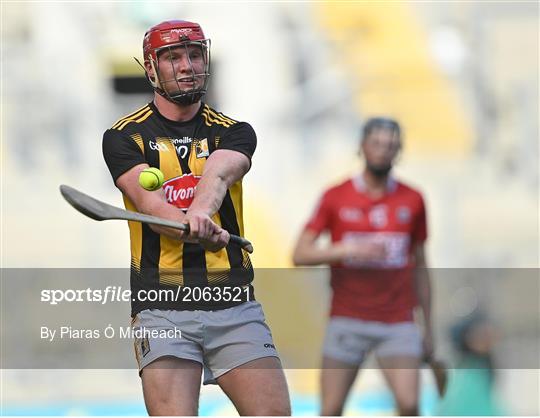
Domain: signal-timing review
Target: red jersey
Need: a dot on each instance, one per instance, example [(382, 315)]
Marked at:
[(381, 290)]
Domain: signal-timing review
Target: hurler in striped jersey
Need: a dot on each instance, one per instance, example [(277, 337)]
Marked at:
[(203, 155)]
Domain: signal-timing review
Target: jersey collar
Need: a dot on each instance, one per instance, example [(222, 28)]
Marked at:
[(360, 185), (172, 122)]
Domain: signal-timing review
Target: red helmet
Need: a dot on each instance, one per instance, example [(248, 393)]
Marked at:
[(169, 33), (174, 33)]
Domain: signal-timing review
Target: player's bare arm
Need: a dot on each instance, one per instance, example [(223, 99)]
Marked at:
[(222, 169), (308, 253), (423, 289), (151, 203)]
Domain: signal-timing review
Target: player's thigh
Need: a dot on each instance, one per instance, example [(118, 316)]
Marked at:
[(403, 377), (234, 337), (257, 388), (346, 344), (399, 355), (337, 378), (171, 386)]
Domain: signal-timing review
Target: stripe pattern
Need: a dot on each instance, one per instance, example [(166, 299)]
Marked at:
[(158, 260), (138, 116), (212, 117), (138, 140)]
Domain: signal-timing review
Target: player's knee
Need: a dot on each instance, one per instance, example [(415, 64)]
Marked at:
[(279, 409), (331, 412), (279, 405), (162, 408), (167, 405), (408, 408), (332, 408)]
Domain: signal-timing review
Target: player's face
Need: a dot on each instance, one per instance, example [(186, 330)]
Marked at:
[(380, 148), (181, 68)]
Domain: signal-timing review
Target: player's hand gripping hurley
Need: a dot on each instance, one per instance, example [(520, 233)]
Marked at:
[(101, 211)]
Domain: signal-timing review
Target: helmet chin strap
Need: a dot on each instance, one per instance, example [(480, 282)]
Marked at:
[(186, 98)]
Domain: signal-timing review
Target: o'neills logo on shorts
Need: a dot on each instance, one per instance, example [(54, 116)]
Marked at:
[(179, 191)]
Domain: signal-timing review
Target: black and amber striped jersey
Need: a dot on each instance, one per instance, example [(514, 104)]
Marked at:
[(180, 150)]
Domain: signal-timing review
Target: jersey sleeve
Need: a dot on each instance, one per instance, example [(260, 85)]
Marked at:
[(321, 216), (121, 153), (240, 137), (419, 234)]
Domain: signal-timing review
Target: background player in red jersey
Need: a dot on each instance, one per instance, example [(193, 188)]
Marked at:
[(378, 229), (192, 144)]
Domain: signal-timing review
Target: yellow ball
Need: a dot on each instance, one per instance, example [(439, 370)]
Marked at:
[(151, 179)]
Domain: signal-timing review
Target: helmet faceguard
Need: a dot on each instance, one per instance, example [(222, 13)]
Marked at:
[(177, 37)]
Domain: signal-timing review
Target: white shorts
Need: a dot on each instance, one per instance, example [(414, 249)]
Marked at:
[(219, 340), (350, 339)]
